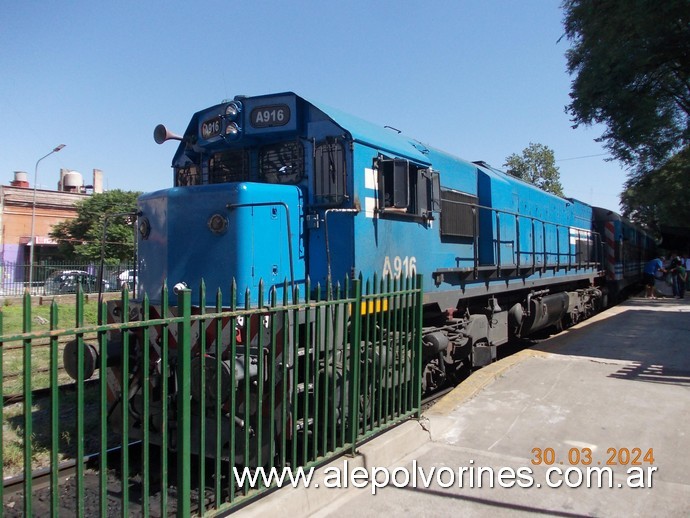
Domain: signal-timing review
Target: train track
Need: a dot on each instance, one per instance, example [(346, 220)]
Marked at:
[(41, 481), (11, 399), (68, 505), (41, 478)]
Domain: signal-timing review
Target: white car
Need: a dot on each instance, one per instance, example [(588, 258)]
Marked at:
[(126, 278)]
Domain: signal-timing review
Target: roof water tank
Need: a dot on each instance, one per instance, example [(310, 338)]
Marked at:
[(72, 182), (21, 179)]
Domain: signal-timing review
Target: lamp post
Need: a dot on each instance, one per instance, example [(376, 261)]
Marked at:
[(33, 216)]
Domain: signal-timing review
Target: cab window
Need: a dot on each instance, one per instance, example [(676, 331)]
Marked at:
[(406, 189), (329, 173)]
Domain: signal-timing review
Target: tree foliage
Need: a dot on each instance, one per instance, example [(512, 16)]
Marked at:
[(80, 238), (631, 62), (537, 166), (660, 197)]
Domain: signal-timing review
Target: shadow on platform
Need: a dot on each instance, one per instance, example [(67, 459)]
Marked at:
[(642, 333)]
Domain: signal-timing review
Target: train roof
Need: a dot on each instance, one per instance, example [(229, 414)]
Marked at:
[(367, 132), (404, 146), (398, 143), (384, 138), (387, 140)]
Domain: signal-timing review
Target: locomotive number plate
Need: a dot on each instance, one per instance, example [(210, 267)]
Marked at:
[(270, 116), (210, 128)]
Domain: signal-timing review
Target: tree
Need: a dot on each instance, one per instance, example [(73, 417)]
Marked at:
[(660, 197), (80, 238), (631, 61), (537, 166)]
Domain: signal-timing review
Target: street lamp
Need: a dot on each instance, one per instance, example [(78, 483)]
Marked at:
[(33, 216)]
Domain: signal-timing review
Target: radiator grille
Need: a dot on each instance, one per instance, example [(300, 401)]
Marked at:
[(457, 219)]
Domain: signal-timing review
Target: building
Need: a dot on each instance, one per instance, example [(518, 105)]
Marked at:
[(16, 206)]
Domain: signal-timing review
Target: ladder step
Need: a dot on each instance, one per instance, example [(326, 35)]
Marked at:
[(302, 387), (300, 423)]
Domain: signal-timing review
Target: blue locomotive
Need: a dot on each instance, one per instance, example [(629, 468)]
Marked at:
[(275, 187)]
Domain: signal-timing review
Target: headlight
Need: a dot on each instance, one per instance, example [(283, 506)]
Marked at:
[(218, 224), (144, 228), (232, 130), (233, 109)]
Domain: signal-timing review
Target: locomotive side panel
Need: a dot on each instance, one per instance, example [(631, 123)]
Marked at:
[(508, 229)]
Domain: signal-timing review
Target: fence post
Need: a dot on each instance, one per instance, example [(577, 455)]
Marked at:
[(417, 344), (28, 431), (184, 361), (2, 411), (355, 345)]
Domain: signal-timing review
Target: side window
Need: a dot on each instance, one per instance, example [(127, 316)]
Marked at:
[(187, 175), (407, 189), (282, 162), (329, 174)]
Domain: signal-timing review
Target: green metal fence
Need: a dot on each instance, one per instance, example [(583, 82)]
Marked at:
[(170, 401), (57, 278)]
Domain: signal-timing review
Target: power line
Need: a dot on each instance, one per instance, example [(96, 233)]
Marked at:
[(579, 157)]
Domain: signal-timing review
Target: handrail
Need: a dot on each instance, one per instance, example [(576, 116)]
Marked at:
[(590, 234)]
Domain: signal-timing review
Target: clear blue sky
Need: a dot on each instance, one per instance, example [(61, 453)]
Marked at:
[(480, 80)]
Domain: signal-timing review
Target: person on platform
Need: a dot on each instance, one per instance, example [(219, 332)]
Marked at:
[(650, 272), (672, 268), (680, 275)]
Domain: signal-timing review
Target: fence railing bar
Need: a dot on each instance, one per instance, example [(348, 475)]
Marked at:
[(103, 409), (79, 317), (54, 414), (165, 375), (124, 412), (184, 350), (28, 431)]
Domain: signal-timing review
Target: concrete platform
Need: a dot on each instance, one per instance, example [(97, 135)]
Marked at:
[(615, 388)]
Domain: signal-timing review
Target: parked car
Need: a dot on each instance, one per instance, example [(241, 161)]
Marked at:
[(67, 281), (127, 278)]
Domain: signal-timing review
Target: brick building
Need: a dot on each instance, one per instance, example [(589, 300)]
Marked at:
[(16, 203)]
